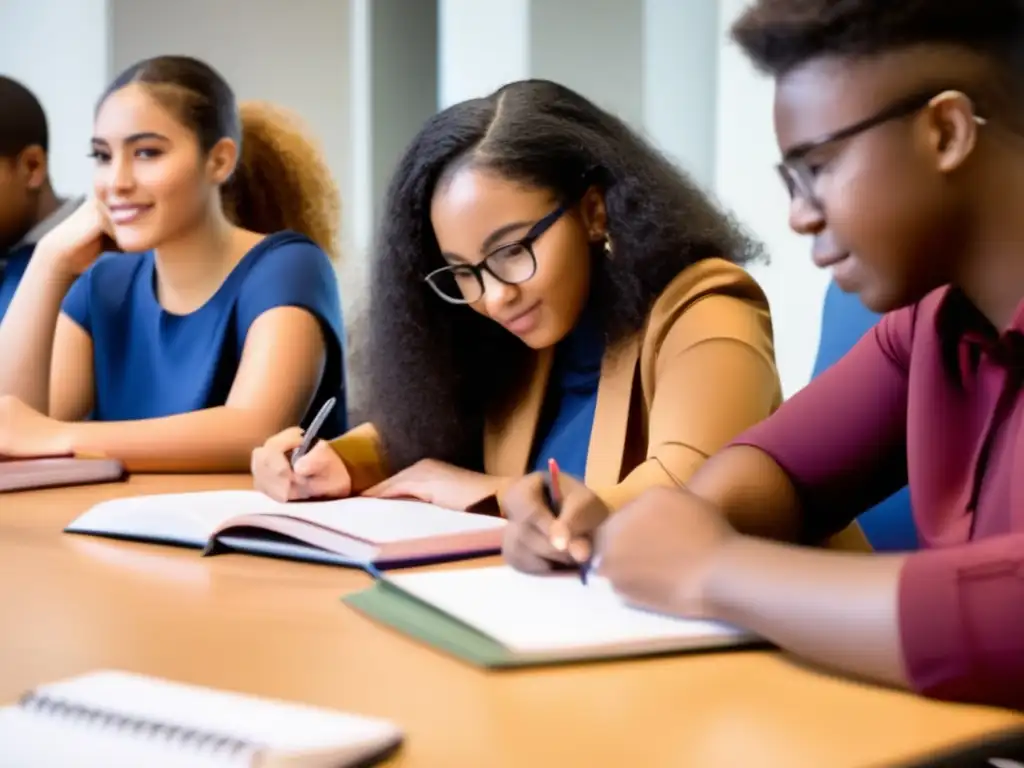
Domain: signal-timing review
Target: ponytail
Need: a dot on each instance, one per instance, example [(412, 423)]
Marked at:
[(282, 181)]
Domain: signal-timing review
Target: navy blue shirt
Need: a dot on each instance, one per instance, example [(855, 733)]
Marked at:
[(571, 401), (12, 268), (150, 363), (14, 263)]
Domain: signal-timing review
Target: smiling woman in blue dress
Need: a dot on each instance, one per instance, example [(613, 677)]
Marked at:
[(220, 322)]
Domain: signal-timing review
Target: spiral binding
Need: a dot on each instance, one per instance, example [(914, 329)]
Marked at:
[(197, 741)]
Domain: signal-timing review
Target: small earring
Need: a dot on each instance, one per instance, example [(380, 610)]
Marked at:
[(609, 251)]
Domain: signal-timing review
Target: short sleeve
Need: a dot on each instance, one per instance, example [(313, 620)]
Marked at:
[(77, 303), (294, 272), (842, 439)]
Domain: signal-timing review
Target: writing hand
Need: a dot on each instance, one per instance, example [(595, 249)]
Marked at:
[(535, 540), (319, 474)]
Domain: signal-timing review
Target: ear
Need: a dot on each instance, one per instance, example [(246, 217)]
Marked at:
[(594, 213), (952, 130), (32, 167), (221, 161)]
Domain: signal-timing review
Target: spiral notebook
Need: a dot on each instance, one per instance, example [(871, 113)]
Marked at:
[(117, 719)]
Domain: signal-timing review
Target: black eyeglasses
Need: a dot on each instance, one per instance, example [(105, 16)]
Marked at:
[(799, 176), (510, 264)]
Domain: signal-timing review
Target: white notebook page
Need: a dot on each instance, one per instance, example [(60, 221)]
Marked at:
[(387, 520), (190, 518), (543, 614)]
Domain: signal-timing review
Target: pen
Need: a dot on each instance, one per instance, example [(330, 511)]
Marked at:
[(553, 492), (553, 489), (314, 428)]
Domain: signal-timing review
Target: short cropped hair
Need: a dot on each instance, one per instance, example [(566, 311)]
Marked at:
[(780, 35), (22, 120)]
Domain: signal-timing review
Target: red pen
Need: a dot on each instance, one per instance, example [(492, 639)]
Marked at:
[(553, 492), (553, 488)]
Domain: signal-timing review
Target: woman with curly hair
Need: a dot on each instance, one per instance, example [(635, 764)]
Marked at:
[(219, 323), (546, 286)]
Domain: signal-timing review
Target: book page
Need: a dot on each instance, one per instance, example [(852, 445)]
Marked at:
[(387, 520), (551, 614), (282, 727), (183, 518)]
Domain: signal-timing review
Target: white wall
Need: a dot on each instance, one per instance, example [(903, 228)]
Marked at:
[(59, 50), (482, 44), (594, 47), (651, 62), (746, 181), (255, 46), (680, 82)]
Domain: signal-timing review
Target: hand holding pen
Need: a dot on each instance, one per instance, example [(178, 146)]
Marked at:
[(552, 519), (563, 540)]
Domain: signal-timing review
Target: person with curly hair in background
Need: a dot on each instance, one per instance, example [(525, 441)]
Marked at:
[(900, 128), (219, 323), (546, 285)]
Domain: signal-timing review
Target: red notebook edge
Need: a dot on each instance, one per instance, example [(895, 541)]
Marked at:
[(58, 472)]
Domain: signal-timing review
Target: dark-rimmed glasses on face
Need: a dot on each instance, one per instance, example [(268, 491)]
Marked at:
[(510, 264), (800, 176)]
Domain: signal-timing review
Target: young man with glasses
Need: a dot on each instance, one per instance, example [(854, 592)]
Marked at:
[(899, 125)]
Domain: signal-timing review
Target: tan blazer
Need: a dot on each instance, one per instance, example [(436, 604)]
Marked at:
[(700, 372)]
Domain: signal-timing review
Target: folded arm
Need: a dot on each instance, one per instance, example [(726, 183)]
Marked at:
[(27, 331), (281, 367)]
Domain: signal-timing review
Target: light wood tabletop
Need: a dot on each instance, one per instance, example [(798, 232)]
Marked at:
[(69, 604)]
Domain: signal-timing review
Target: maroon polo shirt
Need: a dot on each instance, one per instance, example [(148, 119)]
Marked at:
[(931, 396)]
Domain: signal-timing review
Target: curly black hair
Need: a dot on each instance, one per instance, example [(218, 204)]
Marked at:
[(780, 35), (434, 370)]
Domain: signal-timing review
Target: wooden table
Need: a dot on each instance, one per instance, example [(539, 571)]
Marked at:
[(69, 604)]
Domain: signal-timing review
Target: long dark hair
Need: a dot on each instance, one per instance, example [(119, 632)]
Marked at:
[(281, 180), (435, 370)]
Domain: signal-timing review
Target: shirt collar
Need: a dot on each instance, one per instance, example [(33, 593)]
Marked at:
[(64, 210), (967, 335)]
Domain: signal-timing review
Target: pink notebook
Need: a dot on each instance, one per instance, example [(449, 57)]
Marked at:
[(28, 474), (382, 533)]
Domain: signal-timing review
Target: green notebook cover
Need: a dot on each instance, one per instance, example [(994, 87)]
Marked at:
[(400, 610), (393, 607)]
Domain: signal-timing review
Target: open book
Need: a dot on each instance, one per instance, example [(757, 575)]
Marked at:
[(499, 617), (54, 471), (358, 531), (121, 720)]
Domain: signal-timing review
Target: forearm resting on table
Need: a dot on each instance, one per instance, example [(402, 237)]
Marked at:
[(836, 609), (211, 440), (27, 331)]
